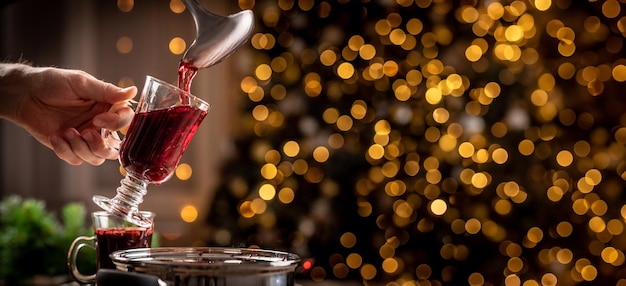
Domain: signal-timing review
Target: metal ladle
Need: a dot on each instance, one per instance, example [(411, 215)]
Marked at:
[(217, 37)]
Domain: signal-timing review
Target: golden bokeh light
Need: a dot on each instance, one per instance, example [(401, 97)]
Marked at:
[(177, 6), (183, 171), (177, 45), (286, 195), (124, 45), (267, 192), (125, 5), (291, 148), (189, 213)]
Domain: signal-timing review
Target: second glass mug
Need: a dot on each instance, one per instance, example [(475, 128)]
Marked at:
[(165, 121), (111, 233)]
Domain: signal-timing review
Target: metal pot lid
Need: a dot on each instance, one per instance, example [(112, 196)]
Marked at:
[(219, 261)]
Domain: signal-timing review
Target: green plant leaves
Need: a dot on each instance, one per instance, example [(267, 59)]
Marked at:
[(34, 242)]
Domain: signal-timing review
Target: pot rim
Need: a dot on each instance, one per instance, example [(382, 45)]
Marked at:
[(216, 260)]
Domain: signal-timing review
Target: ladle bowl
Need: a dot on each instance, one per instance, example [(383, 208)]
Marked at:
[(217, 37)]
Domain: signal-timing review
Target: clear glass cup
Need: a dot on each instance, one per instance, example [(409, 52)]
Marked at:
[(165, 121), (112, 234)]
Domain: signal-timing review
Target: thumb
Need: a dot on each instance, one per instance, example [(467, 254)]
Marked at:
[(102, 91), (114, 94)]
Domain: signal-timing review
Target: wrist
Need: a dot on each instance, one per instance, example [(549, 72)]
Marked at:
[(14, 87)]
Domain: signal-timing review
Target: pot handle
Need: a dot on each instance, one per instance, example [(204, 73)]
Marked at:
[(108, 277)]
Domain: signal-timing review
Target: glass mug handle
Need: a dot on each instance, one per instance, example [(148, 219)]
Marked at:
[(111, 139), (77, 244)]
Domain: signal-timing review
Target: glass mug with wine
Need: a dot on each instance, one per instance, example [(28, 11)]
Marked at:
[(111, 233), (166, 119)]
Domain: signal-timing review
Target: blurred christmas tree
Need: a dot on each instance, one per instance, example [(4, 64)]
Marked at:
[(434, 141)]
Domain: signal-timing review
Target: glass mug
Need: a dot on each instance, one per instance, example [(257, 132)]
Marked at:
[(112, 233), (165, 121)]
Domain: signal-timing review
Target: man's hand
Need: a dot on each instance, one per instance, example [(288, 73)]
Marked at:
[(65, 110)]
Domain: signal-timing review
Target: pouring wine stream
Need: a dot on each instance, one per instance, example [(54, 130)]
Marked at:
[(217, 37)]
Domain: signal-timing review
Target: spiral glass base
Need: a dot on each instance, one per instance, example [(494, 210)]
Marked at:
[(125, 203)]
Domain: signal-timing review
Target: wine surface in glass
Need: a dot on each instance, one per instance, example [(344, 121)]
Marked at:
[(109, 240), (156, 140)]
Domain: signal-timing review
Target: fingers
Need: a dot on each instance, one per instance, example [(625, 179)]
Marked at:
[(98, 150), (116, 120), (119, 114), (75, 148), (63, 150), (124, 94), (88, 146), (114, 94), (88, 87)]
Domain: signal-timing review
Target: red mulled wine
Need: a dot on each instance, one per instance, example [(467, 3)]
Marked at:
[(186, 72), (109, 240), (156, 140)]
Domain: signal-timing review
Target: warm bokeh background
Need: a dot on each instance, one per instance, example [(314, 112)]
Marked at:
[(425, 142), (478, 142)]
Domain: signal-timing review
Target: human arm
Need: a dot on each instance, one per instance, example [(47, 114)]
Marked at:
[(64, 109)]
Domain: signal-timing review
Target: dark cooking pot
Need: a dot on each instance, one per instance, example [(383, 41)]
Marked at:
[(195, 266)]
